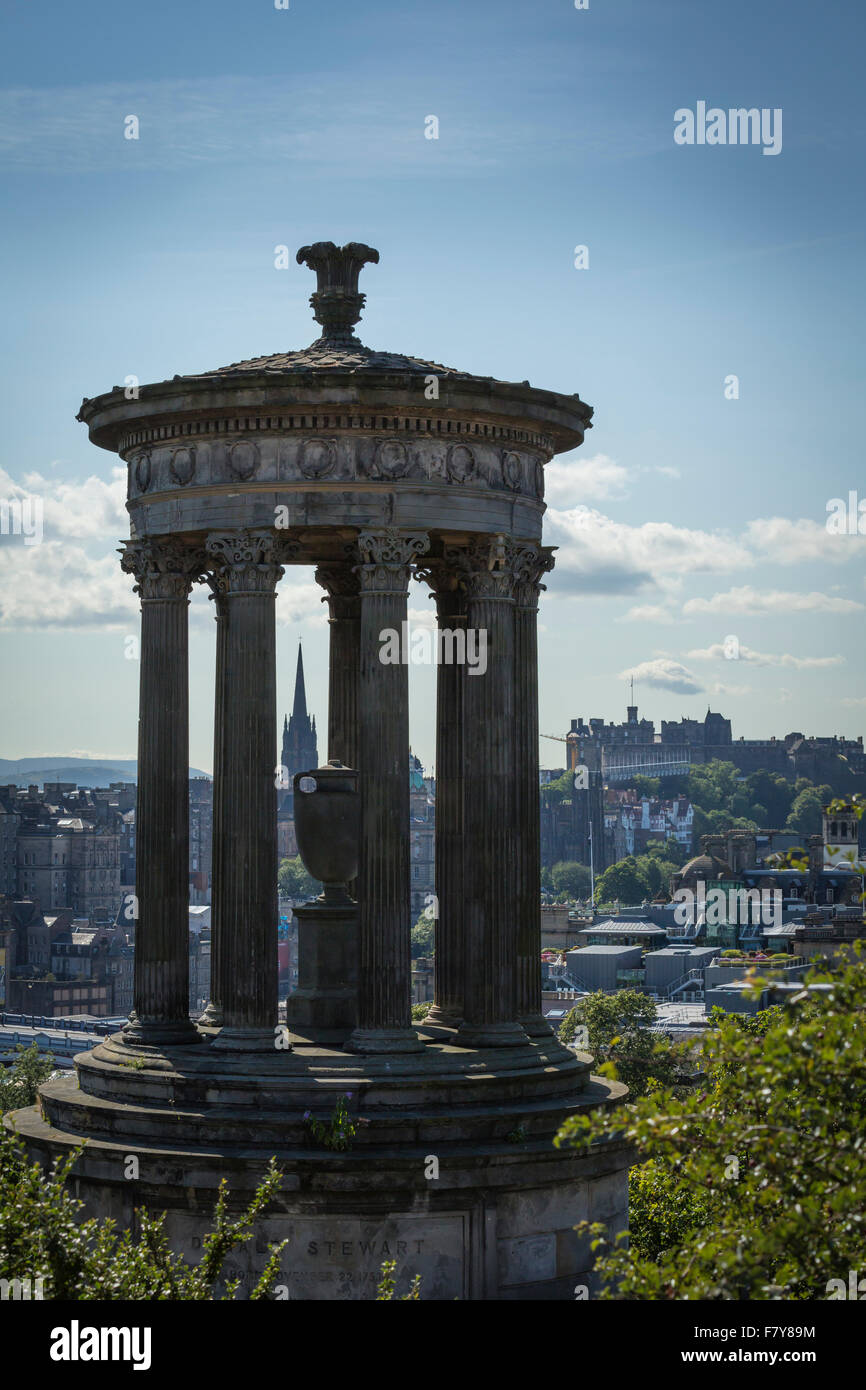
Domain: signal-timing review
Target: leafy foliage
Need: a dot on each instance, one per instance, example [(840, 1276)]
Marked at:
[(387, 1285), (423, 935), (753, 1186), (19, 1084), (570, 879), (619, 1038), (42, 1236), (294, 881)]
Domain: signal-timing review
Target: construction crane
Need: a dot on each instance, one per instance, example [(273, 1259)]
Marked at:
[(571, 740)]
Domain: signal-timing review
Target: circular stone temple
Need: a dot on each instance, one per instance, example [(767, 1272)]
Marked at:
[(374, 468)]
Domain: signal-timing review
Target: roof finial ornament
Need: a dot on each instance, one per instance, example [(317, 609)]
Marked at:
[(337, 303)]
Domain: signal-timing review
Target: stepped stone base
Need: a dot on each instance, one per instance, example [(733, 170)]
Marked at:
[(452, 1171)]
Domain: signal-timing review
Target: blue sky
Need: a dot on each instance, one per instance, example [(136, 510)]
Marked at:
[(685, 519)]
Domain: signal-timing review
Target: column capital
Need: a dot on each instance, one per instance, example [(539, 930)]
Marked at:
[(530, 563), (342, 588), (247, 562), (387, 557), (487, 567), (442, 576), (164, 568)]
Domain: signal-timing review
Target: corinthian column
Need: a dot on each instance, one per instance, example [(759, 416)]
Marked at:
[(531, 562), (490, 946), (164, 570), (384, 1013), (247, 570), (448, 961)]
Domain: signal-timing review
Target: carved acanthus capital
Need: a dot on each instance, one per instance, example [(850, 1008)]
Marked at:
[(245, 561), (342, 588), (164, 568), (486, 568), (387, 557), (530, 563), (443, 578)]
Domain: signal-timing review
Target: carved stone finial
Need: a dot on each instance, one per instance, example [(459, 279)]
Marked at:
[(337, 303)]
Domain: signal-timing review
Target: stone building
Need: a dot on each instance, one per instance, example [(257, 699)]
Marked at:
[(422, 839), (9, 823)]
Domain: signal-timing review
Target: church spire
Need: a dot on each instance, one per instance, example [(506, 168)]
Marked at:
[(299, 708)]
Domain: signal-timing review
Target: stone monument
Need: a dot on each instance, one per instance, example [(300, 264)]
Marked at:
[(374, 468)]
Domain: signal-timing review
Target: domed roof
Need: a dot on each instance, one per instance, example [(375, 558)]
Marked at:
[(326, 355), (705, 867)]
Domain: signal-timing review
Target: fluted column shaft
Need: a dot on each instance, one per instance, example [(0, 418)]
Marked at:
[(448, 959), (344, 623), (164, 571), (384, 1013), (213, 1014), (531, 562), (490, 942), (245, 886)]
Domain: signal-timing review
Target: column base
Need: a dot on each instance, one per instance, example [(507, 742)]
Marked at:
[(212, 1016), (376, 1040), (442, 1017), (536, 1026), (491, 1035), (146, 1033), (249, 1040)]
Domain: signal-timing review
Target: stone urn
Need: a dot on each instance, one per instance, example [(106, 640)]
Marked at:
[(327, 826)]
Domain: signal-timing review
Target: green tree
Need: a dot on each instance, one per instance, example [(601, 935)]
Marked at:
[(622, 881), (647, 787), (752, 1186), (805, 815), (295, 882), (571, 879), (619, 1038), (42, 1236), (20, 1082), (423, 935)]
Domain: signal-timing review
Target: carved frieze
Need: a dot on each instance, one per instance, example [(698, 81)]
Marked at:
[(390, 458)]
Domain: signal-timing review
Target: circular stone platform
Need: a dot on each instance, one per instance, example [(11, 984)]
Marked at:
[(496, 1223)]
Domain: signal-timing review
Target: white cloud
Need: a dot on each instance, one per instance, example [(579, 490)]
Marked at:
[(720, 688), (602, 556), (648, 613), (664, 674), (719, 652), (795, 542), (572, 480), (58, 585), (82, 510), (747, 600)]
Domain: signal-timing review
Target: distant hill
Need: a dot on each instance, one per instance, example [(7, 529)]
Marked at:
[(84, 772)]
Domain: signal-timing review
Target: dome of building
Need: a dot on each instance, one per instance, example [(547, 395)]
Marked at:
[(703, 868)]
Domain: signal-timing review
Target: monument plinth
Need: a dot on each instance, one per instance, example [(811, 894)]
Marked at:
[(374, 468)]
